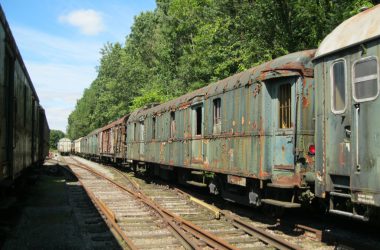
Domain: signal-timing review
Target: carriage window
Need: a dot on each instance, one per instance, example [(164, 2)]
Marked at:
[(154, 128), (366, 86), (135, 132), (338, 81), (217, 115), (172, 124), (198, 117), (284, 98)]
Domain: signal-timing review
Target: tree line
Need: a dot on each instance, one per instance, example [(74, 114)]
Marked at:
[(186, 44)]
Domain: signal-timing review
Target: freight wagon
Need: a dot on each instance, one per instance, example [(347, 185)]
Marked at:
[(24, 132), (64, 146)]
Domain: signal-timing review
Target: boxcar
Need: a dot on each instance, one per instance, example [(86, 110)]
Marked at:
[(347, 131), (250, 136), (89, 145), (64, 146), (112, 139), (77, 150), (24, 132)]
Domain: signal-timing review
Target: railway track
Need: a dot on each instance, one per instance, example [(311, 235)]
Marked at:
[(193, 225)]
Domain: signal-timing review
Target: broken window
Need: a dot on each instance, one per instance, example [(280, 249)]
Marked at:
[(154, 128), (217, 115), (198, 117), (172, 124), (284, 98)]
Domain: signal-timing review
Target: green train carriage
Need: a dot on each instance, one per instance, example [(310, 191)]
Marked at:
[(247, 136)]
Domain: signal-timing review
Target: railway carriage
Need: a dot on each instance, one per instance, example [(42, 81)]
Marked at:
[(64, 146), (246, 137), (24, 132), (347, 104), (112, 138)]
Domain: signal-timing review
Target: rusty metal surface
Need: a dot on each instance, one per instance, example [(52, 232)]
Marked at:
[(357, 29), (112, 139)]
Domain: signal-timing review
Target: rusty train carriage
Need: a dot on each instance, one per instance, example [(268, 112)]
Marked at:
[(253, 129), (347, 132), (111, 141)]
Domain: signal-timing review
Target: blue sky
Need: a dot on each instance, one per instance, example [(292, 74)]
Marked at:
[(60, 41)]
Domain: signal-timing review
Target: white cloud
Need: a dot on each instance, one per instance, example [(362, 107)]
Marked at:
[(45, 47), (90, 22), (59, 68)]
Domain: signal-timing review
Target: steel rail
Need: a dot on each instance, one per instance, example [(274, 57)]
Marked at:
[(110, 217), (176, 222), (264, 236)]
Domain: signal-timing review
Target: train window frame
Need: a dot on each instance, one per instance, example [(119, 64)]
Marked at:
[(197, 126), (332, 84), (368, 58), (279, 106), (154, 121), (217, 115), (172, 125), (135, 131)]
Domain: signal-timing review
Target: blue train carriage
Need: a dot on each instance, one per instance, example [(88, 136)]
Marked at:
[(347, 127), (248, 137)]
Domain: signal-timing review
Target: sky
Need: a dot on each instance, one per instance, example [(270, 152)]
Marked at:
[(60, 43)]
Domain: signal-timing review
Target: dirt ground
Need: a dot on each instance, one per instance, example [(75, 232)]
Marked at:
[(45, 216)]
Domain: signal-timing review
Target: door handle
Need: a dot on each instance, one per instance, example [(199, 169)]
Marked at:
[(347, 129)]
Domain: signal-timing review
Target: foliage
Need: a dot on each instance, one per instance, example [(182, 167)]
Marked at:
[(185, 44), (55, 136)]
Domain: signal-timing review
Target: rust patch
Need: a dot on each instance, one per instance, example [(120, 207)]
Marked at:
[(257, 89), (305, 102), (293, 180)]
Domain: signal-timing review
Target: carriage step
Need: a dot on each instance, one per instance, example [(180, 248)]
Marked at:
[(273, 185), (344, 195), (349, 214), (278, 203), (195, 183)]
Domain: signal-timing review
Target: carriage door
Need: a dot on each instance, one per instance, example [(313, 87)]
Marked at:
[(197, 133), (338, 124), (142, 142), (284, 112), (365, 90)]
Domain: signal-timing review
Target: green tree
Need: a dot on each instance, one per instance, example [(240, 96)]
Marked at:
[(186, 44), (55, 136)]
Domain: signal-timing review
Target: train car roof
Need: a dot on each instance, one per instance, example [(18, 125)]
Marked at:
[(64, 140), (360, 28), (298, 63), (114, 123)]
